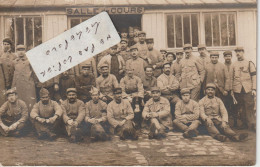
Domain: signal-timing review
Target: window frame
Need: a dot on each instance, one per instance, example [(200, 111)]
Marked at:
[(69, 18)]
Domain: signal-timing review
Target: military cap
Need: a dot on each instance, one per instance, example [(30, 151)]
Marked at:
[(155, 88), (124, 39), (124, 30), (71, 90), (240, 48), (94, 91), (105, 64), (214, 53), (165, 63), (130, 28), (133, 47), (44, 92), (170, 53), (149, 40), (187, 46), (138, 28), (211, 85), (141, 32), (10, 91), (179, 51), (114, 47), (200, 46), (163, 50), (8, 40), (86, 65), (20, 47), (117, 90), (185, 90), (227, 53)]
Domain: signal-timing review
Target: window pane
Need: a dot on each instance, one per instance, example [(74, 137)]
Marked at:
[(178, 29), (232, 30), (216, 35), (186, 28), (170, 31), (224, 35), (9, 29), (29, 33), (208, 35), (19, 31), (37, 31), (74, 22), (194, 28)]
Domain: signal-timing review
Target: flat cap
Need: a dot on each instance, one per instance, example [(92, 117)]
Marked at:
[(187, 46), (141, 32), (94, 91), (44, 92), (179, 51), (228, 52), (71, 90), (170, 53), (20, 47), (86, 65), (214, 53), (149, 40), (155, 88), (124, 39), (105, 64), (117, 90), (8, 40), (124, 30), (11, 91), (185, 90), (133, 47), (200, 46), (163, 50), (211, 85), (240, 48), (114, 47)]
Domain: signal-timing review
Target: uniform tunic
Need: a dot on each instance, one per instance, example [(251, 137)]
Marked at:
[(176, 69), (142, 50), (187, 112), (138, 66), (66, 82), (149, 82), (96, 110), (164, 81), (157, 60), (8, 67), (106, 85), (132, 86)]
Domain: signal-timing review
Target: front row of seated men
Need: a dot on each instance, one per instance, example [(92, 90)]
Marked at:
[(49, 118)]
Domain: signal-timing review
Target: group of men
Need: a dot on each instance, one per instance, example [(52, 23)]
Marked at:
[(129, 88)]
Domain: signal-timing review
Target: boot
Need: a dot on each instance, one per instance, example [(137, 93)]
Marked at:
[(220, 137), (151, 134)]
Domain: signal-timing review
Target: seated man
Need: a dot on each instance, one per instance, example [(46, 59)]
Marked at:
[(73, 115), (187, 114), (96, 115), (157, 114), (120, 115), (133, 90), (214, 115), (46, 116), (13, 115)]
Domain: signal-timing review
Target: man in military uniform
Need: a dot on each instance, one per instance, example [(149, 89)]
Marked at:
[(187, 115), (192, 73), (215, 72), (93, 67), (73, 114), (142, 47), (157, 114), (123, 33), (215, 117), (133, 90), (149, 81), (124, 50), (65, 81), (136, 63), (176, 67), (244, 88), (115, 62), (131, 41), (120, 115), (96, 116), (136, 34), (46, 116), (106, 83), (163, 53), (169, 86), (170, 57), (13, 115), (84, 82)]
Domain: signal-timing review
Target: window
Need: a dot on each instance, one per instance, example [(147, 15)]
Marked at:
[(182, 29), (73, 21), (220, 29), (24, 30)]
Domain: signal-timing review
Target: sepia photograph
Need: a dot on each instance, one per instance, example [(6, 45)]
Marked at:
[(128, 82)]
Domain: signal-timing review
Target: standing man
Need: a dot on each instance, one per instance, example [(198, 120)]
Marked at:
[(93, 67), (155, 56), (176, 65), (46, 116), (244, 88), (24, 78), (65, 81), (106, 83), (215, 72), (187, 114), (120, 115), (157, 114), (13, 115), (136, 63), (192, 73), (170, 57), (142, 47), (73, 114), (52, 85), (149, 81), (215, 117), (131, 41), (163, 53), (124, 49), (96, 116), (115, 62), (84, 82)]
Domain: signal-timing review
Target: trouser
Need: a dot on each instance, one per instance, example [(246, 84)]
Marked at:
[(195, 93), (186, 126), (138, 115), (20, 129), (155, 122), (245, 101), (72, 130), (217, 129), (173, 99), (229, 104), (127, 130), (50, 129)]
